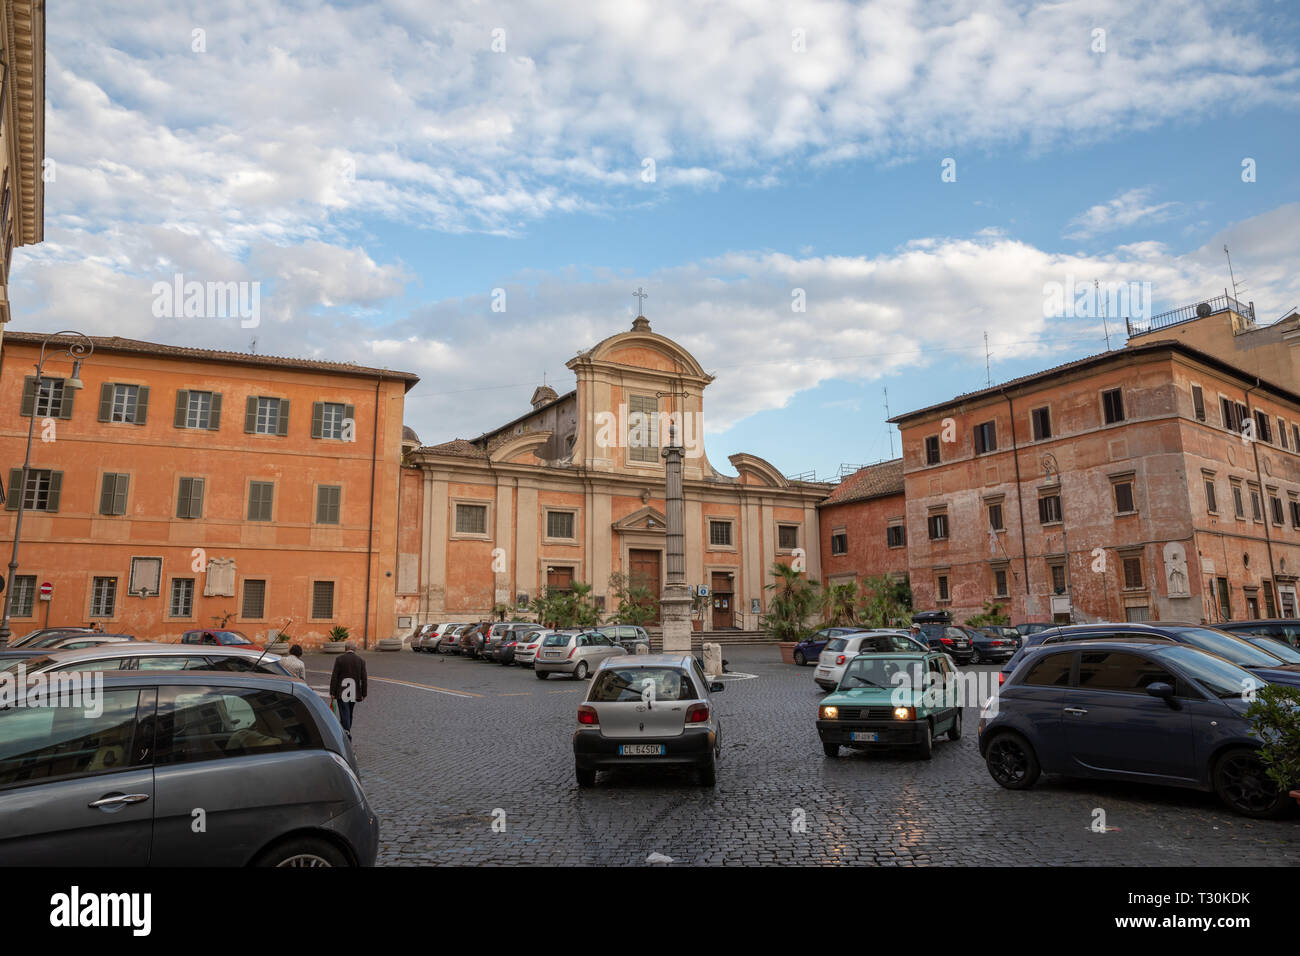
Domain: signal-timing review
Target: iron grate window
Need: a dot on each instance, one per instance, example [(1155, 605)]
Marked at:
[(322, 600), (720, 533), (471, 519), (1132, 573), (787, 537), (254, 599), (23, 601), (559, 524)]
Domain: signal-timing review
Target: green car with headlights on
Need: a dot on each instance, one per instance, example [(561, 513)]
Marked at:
[(895, 699)]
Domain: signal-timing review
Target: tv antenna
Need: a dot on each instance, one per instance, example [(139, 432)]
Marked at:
[(1236, 290), (888, 427), (988, 374), (1096, 291)]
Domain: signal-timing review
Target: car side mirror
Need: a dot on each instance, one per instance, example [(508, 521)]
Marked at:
[(717, 687), (1163, 691)]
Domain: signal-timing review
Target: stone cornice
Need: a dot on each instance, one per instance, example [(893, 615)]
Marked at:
[(25, 114)]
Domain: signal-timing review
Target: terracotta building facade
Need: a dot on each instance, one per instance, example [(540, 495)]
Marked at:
[(1155, 482), (179, 488), (573, 491), (864, 525)]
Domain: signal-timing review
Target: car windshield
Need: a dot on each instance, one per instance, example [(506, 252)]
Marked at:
[(631, 684), (1275, 647), (1219, 677), (837, 645), (232, 637), (875, 671), (31, 663), (1235, 649), (557, 640)]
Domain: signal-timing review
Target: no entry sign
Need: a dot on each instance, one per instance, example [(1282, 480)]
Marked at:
[(47, 589)]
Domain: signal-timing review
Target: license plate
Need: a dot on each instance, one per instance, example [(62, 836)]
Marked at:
[(552, 653), (641, 750), (862, 737)]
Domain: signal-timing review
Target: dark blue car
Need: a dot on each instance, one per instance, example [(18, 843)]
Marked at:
[(810, 648), (1141, 711), (1265, 664)]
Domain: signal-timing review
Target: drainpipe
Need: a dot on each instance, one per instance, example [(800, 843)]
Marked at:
[(1263, 504), (370, 531), (1020, 505)]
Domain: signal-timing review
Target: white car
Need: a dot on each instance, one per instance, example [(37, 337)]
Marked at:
[(841, 650)]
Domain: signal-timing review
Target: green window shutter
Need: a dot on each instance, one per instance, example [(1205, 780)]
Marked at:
[(250, 414), (142, 406), (119, 494), (183, 499), (65, 407), (106, 402), (196, 498), (320, 505), (182, 408), (15, 489), (284, 418), (317, 419), (106, 492), (56, 486), (29, 396), (214, 417)]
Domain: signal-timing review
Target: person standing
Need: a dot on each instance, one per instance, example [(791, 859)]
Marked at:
[(348, 684), (293, 663)]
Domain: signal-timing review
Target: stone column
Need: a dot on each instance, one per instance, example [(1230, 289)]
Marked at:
[(675, 605)]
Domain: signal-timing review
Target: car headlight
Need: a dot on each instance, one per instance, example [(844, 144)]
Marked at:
[(905, 713), (830, 713)]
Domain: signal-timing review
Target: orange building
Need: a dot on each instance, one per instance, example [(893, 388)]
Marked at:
[(180, 487), (864, 525)]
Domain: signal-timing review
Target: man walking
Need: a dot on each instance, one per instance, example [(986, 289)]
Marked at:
[(348, 684)]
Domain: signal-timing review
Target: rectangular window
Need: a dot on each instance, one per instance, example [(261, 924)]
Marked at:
[(1112, 404), (1238, 505), (471, 519), (49, 400), (254, 598), (895, 536), (787, 537), (1256, 504), (941, 585), (720, 534), (23, 601), (840, 543), (1295, 436), (986, 438), (1282, 436), (559, 524), (1270, 600), (189, 498), (1198, 403), (1124, 503), (195, 409), (119, 403), (1228, 414), (1049, 509), (1225, 601), (261, 496), (932, 450), (1000, 582), (182, 600), (938, 526), (42, 492), (112, 493), (643, 428), (995, 517), (322, 600), (103, 597), (266, 416), (1295, 514), (1211, 500), (1275, 505), (330, 420), (1042, 422), (1263, 427), (328, 498), (1057, 573), (1132, 573)]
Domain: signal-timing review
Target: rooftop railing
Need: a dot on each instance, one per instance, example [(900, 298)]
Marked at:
[(1220, 303)]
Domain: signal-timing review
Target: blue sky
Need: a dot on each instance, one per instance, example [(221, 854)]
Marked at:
[(381, 169)]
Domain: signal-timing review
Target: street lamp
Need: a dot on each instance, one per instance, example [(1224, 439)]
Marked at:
[(78, 350), (1052, 471)]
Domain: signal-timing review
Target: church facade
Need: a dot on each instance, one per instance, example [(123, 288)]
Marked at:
[(573, 491)]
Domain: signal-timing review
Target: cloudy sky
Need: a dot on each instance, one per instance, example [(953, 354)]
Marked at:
[(916, 174)]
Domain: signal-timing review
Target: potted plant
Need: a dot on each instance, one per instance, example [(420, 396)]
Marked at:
[(282, 640), (1276, 713), (794, 599), (336, 640)]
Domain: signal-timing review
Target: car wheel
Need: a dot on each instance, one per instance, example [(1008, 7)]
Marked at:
[(1242, 784), (925, 749), (586, 778), (1012, 762), (542, 675), (831, 750), (799, 659), (709, 772), (580, 672), (975, 657), (303, 851), (954, 732)]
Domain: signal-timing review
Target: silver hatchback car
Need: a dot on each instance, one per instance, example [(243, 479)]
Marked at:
[(648, 710), (142, 655), (577, 654)]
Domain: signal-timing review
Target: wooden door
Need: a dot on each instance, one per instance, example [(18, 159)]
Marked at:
[(643, 572), (724, 602)]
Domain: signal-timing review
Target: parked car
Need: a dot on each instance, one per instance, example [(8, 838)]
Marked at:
[(1004, 632), (222, 636), (835, 658), (449, 643), (471, 642), (422, 633), (1033, 627), (63, 640), (627, 636), (142, 655), (648, 710), (518, 633), (117, 785), (864, 711), (948, 639), (495, 637), (526, 649), (1144, 711), (811, 647), (432, 642), (577, 654), (1264, 664), (990, 648), (1284, 629), (31, 637)]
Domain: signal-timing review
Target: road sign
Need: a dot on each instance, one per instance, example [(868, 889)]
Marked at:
[(47, 590)]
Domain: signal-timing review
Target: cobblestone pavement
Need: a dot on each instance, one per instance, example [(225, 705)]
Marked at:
[(447, 745)]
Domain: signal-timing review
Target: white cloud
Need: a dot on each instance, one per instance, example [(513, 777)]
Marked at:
[(1128, 209)]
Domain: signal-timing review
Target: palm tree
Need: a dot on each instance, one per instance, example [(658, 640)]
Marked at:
[(842, 604), (794, 599)]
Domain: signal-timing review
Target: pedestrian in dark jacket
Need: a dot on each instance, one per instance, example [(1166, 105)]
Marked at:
[(348, 684)]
